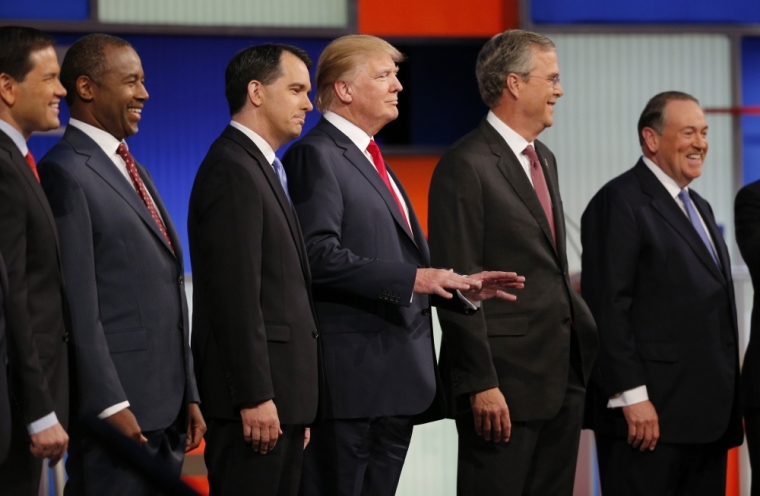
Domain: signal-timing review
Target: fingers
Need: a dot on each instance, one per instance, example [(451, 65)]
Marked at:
[(306, 437), (655, 436), (503, 295), (274, 433), (631, 433), (440, 291), (478, 423), (506, 427), (194, 436), (495, 427), (486, 426), (142, 439), (247, 433), (260, 439)]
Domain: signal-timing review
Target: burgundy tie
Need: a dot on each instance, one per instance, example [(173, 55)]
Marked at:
[(140, 187), (32, 164), (377, 158), (542, 191)]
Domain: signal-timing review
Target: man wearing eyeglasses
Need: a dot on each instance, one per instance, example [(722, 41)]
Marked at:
[(516, 372)]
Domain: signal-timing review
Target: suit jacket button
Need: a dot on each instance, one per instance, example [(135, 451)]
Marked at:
[(181, 325), (315, 334), (181, 280), (426, 311)]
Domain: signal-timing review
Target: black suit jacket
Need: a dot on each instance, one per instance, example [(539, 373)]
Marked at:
[(747, 220), (665, 310), (379, 358), (5, 399), (126, 289), (254, 333), (484, 215), (35, 303)]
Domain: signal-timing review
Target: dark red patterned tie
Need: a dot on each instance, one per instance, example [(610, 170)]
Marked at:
[(539, 184), (140, 187), (32, 164), (377, 158)]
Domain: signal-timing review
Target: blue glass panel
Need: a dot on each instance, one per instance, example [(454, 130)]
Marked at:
[(49, 10), (751, 96)]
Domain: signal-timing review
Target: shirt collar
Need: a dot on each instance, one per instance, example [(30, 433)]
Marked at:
[(15, 136), (260, 142), (516, 142), (105, 140), (670, 184), (357, 136)]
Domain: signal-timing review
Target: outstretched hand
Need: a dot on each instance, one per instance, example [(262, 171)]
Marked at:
[(492, 284)]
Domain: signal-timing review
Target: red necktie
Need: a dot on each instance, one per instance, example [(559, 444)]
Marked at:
[(32, 164), (539, 184), (140, 187), (377, 158)]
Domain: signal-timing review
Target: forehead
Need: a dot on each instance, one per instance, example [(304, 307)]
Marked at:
[(291, 64), (377, 61), (546, 60), (44, 59), (684, 113), (122, 60)]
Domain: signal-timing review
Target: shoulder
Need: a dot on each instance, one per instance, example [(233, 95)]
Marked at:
[(749, 193)]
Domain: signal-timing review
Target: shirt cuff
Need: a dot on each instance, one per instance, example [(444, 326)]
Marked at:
[(113, 409), (628, 398), (40, 425), (470, 305)]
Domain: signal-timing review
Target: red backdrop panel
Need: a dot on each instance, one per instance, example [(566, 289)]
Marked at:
[(439, 18)]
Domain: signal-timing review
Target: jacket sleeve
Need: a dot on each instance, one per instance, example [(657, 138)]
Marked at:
[(456, 233), (25, 367), (229, 231), (99, 384), (319, 201), (611, 250)]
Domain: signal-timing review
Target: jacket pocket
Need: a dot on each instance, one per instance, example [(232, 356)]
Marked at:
[(658, 352), (277, 332), (125, 340), (507, 325)]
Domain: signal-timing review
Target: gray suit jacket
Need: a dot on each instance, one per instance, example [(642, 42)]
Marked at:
[(485, 215), (128, 306)]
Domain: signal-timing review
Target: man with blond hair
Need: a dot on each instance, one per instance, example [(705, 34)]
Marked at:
[(516, 373), (371, 281)]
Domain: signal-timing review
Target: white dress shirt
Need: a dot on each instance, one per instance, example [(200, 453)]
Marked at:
[(639, 394), (15, 135), (260, 142), (516, 142), (108, 143)]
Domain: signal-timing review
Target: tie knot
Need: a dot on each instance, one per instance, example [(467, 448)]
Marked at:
[(684, 195), (123, 152), (276, 163), (30, 159), (530, 152)]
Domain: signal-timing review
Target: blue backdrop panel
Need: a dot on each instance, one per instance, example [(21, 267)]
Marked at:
[(645, 11), (186, 110), (49, 10), (751, 96)]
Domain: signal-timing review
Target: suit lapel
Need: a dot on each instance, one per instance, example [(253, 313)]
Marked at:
[(103, 166), (274, 183), (669, 209), (360, 161), (720, 246), (414, 222), (170, 230), (511, 168), (26, 172)]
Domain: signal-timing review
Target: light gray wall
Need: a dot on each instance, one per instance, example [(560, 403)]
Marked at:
[(259, 13), (607, 80)]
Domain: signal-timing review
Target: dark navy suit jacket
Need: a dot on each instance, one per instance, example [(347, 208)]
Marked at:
[(379, 358), (5, 405), (665, 311), (126, 287)]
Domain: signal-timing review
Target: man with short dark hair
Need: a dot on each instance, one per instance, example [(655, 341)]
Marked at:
[(657, 277), (254, 326), (516, 374), (29, 96), (122, 261)]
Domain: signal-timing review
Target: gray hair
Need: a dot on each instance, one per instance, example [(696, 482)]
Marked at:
[(510, 52)]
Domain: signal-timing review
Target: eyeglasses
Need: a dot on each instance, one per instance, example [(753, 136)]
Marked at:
[(554, 80)]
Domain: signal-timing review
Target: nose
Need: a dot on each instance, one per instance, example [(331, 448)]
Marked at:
[(700, 141), (395, 84), (308, 107), (558, 90), (142, 92), (59, 90)]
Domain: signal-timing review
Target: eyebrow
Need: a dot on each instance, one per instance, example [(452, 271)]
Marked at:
[(299, 86)]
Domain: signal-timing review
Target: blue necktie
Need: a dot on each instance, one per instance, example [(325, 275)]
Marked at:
[(280, 171), (691, 212)]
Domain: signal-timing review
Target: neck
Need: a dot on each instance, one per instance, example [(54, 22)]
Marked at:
[(6, 116), (357, 120), (258, 126), (518, 123)]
